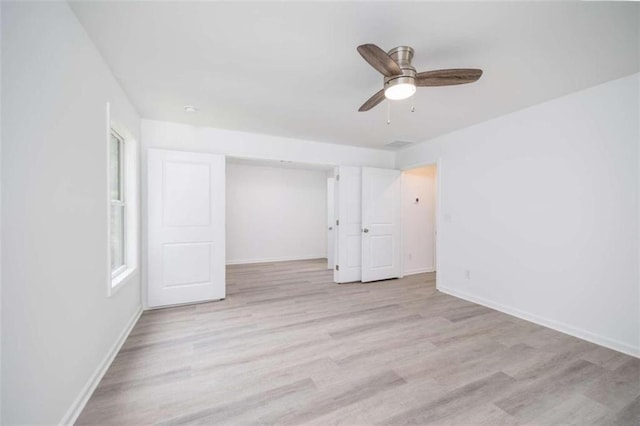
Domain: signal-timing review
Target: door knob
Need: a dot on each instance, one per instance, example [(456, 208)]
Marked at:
[(331, 228), (365, 230)]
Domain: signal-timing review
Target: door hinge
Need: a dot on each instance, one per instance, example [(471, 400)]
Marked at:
[(337, 267), (338, 178), (337, 222)]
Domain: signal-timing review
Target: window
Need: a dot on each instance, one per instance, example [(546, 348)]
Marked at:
[(118, 204), (122, 178)]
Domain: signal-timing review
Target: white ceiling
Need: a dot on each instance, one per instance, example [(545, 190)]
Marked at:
[(292, 69)]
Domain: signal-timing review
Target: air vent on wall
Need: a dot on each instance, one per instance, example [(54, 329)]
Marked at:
[(396, 145)]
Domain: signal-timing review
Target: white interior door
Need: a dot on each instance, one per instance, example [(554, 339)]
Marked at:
[(381, 226), (331, 224), (186, 226), (349, 187)]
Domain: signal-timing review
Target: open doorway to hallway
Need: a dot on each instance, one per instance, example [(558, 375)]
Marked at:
[(419, 196)]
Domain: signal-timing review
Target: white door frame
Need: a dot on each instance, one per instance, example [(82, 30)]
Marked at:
[(438, 163)]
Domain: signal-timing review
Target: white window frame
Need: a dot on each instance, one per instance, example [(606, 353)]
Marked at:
[(121, 202), (129, 184)]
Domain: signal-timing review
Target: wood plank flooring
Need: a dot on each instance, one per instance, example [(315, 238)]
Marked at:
[(290, 347)]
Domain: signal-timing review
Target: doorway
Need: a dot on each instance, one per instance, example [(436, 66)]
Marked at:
[(419, 211), (276, 211), (206, 211)]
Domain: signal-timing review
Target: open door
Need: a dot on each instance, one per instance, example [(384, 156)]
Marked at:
[(186, 220), (381, 226), (349, 188), (331, 224)]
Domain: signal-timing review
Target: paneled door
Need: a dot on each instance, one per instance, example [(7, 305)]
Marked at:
[(186, 227), (349, 186), (381, 227)]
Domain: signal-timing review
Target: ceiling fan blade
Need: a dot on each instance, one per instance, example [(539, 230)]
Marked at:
[(379, 59), (373, 101), (447, 77)]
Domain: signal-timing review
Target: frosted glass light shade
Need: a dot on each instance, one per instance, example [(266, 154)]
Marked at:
[(400, 91)]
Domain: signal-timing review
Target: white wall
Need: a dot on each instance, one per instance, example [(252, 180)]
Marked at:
[(0, 216), (541, 207), (418, 220), (58, 324), (275, 214), (160, 134)]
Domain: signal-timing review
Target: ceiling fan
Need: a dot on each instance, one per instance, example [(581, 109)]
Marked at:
[(401, 78)]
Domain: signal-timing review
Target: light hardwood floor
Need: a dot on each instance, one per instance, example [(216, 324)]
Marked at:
[(290, 347)]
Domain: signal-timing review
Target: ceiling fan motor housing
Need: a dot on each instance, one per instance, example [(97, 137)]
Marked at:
[(403, 56)]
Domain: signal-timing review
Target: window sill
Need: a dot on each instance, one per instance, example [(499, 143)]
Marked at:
[(121, 279)]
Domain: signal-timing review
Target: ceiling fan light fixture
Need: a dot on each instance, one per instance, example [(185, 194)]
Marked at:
[(399, 91), (400, 87), (401, 78)]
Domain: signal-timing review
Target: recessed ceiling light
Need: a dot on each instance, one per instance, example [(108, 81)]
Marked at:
[(190, 108)]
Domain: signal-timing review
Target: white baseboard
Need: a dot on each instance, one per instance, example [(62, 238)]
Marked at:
[(78, 405), (275, 259), (418, 271), (549, 323)]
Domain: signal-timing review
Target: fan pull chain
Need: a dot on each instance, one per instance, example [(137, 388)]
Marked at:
[(388, 113), (413, 104)]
